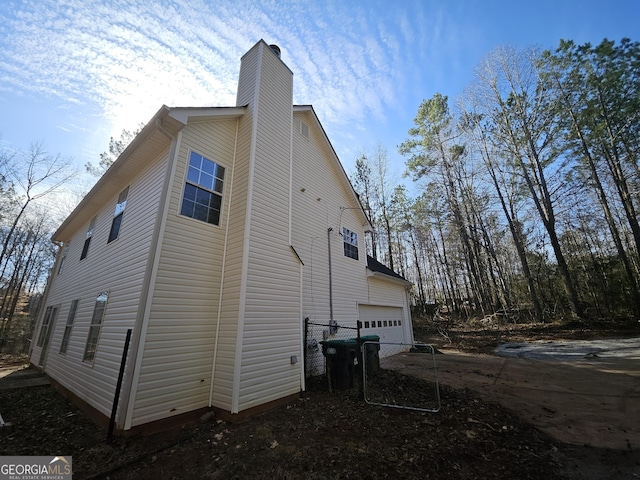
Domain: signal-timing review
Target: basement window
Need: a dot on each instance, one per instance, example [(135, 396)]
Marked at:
[(350, 243), (202, 197)]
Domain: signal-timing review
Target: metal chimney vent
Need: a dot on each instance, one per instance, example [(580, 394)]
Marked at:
[(275, 49)]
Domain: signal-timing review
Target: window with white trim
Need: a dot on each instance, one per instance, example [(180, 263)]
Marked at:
[(118, 214), (69, 326), (49, 316), (350, 243), (87, 241), (65, 250), (95, 327), (202, 197)]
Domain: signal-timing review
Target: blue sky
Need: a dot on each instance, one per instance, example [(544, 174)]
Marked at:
[(75, 72)]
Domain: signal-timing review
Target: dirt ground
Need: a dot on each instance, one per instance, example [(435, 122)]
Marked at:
[(334, 435)]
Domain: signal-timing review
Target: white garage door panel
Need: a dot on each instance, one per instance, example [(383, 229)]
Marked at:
[(386, 322)]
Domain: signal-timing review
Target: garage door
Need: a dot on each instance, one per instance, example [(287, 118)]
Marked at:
[(386, 322)]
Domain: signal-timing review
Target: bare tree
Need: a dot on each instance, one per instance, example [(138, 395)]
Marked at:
[(36, 174), (25, 229), (522, 117), (383, 193)]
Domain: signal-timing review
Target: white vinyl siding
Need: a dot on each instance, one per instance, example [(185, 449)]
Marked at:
[(219, 310), (272, 323), (175, 375), (118, 267), (322, 201), (229, 320)]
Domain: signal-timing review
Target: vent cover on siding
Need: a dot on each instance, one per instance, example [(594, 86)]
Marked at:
[(304, 129)]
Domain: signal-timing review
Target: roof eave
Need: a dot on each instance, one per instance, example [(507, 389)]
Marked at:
[(383, 276), (116, 174), (205, 114)]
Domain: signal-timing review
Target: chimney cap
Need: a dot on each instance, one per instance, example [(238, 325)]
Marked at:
[(275, 49)]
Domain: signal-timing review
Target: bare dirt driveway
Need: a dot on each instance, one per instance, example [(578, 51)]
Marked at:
[(579, 392)]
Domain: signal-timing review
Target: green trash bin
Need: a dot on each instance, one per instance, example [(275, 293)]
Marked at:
[(371, 353), (341, 357)]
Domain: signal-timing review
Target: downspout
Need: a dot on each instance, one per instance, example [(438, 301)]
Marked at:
[(409, 321), (331, 321), (224, 263)]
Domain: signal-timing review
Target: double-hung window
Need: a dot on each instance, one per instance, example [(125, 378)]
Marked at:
[(49, 317), (94, 328), (350, 243), (87, 241), (69, 326), (118, 214), (65, 250), (202, 198)]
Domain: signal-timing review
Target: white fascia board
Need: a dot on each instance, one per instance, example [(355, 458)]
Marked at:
[(204, 114), (110, 183)]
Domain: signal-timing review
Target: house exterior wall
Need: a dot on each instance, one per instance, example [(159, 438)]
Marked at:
[(175, 370), (217, 311), (224, 363), (119, 268), (270, 323), (322, 202)]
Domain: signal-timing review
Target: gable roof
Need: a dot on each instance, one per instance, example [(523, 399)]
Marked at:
[(334, 156), (155, 137)]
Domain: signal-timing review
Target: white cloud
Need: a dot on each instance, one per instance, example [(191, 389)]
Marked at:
[(127, 58)]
